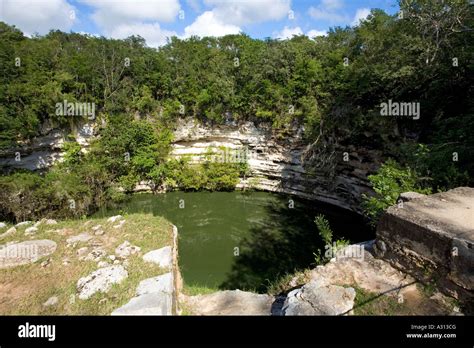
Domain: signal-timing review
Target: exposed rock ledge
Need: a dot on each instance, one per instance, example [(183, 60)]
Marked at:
[(277, 164), (432, 238), (329, 290), (41, 152)]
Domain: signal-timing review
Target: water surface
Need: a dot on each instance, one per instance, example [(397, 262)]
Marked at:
[(243, 240)]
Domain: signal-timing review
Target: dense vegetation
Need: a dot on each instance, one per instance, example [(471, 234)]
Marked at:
[(332, 85)]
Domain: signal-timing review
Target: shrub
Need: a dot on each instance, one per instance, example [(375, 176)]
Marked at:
[(391, 180)]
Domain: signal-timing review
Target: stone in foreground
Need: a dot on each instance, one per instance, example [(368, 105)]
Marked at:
[(231, 302), (23, 253), (126, 249), (162, 283), (83, 237), (11, 231), (158, 303), (154, 297), (31, 230), (52, 301), (114, 218), (314, 299), (432, 237), (162, 257), (100, 281), (366, 272)]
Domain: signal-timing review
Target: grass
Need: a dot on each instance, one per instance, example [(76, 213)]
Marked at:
[(368, 303), (24, 289), (194, 290), (282, 284)]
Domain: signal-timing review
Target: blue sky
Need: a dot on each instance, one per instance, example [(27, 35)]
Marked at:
[(155, 20)]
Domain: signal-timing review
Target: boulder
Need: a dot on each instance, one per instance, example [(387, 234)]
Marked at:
[(162, 257), (126, 249), (314, 299), (162, 283), (52, 301), (366, 272), (8, 233), (158, 303), (102, 264), (81, 252), (95, 255), (3, 225), (231, 302), (100, 281), (120, 224), (83, 237), (24, 223), (114, 218), (31, 230)]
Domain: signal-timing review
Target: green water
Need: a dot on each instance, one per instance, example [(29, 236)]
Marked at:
[(243, 240)]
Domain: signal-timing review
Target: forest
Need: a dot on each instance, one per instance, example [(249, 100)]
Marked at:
[(333, 85)]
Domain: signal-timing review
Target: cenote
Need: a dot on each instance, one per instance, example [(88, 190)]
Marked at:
[(244, 240)]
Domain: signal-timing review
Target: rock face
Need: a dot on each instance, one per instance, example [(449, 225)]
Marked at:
[(282, 164), (432, 237), (162, 257), (100, 281), (364, 270), (314, 299), (231, 302), (42, 151), (17, 254), (154, 297), (278, 163)]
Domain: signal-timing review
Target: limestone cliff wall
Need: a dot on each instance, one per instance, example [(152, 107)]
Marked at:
[(42, 151), (278, 163)]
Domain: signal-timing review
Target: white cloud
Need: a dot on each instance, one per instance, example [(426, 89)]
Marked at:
[(154, 35), (324, 14), (361, 15), (240, 12), (329, 10), (208, 25), (314, 32), (38, 16), (332, 4), (288, 33), (111, 13)]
